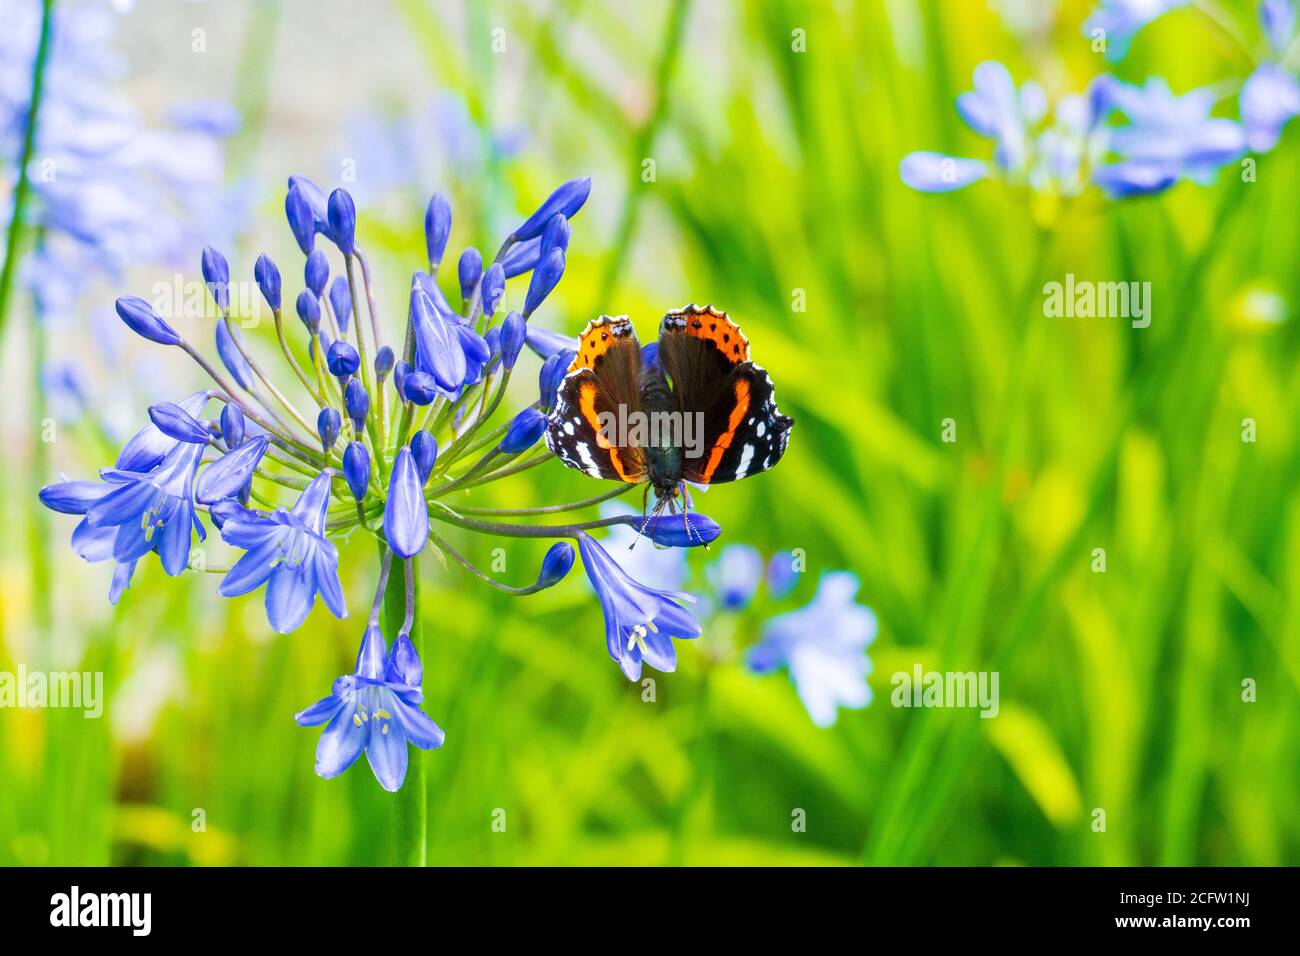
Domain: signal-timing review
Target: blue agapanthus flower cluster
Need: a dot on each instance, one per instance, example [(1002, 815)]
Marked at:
[(364, 436), (1126, 139)]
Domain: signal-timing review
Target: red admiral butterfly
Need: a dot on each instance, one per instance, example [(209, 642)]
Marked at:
[(691, 407)]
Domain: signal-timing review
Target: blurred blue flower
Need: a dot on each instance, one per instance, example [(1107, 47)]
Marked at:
[(1120, 20), (122, 192), (1270, 96), (1052, 158), (824, 647), (735, 575), (377, 710), (1167, 138), (289, 553)]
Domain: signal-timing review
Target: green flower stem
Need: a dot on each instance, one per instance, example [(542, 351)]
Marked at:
[(293, 444), (513, 469), (400, 608), (293, 362), (440, 512), (548, 509), (367, 373), (463, 447), (23, 188), (370, 299), (447, 549), (474, 472), (266, 380)]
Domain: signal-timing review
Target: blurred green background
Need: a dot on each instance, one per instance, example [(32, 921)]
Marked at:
[(776, 177)]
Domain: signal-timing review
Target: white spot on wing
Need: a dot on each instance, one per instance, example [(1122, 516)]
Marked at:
[(746, 456)]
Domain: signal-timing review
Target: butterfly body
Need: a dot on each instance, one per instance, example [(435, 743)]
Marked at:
[(691, 407)]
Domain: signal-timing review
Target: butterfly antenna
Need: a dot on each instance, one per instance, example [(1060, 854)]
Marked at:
[(645, 518)]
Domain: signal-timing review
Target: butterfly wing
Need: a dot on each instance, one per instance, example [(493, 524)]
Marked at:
[(603, 377), (706, 357)]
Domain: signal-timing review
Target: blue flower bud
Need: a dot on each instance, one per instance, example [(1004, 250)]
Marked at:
[(316, 202), (493, 338), (513, 331), (400, 371), (268, 280), (342, 359), (555, 236), (141, 319), (525, 428), (437, 228), (343, 221), (552, 375), (546, 343), (341, 301), (71, 497), (545, 277), (522, 257), (231, 357), (309, 310), (494, 287), (175, 422), (678, 531), (384, 362), (469, 269), (232, 426), (566, 201), (316, 272), (406, 516), (231, 472), (419, 387), (425, 282), (328, 425), (425, 449), (302, 221), (356, 469), (437, 350), (556, 564), (216, 273), (476, 350), (357, 402)]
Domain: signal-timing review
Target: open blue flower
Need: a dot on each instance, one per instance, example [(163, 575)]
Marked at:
[(1046, 157), (1270, 98), (376, 710), (1167, 138), (289, 553), (824, 647), (640, 621), (146, 511)]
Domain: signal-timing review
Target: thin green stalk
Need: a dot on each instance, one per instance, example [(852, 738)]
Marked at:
[(23, 188), (401, 608)]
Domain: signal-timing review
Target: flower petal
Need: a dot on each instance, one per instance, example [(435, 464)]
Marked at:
[(406, 518), (289, 596), (936, 173), (341, 742)]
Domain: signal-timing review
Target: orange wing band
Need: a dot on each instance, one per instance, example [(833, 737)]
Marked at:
[(724, 440)]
